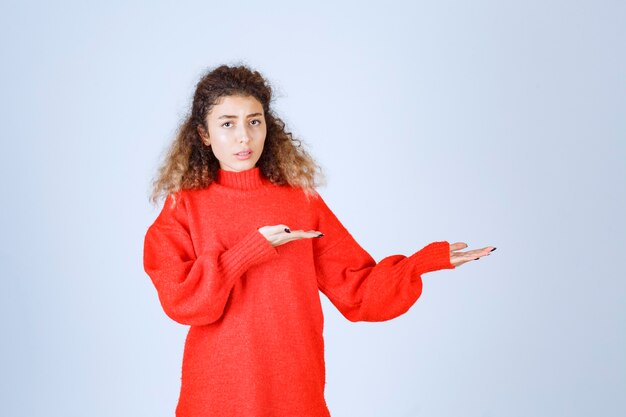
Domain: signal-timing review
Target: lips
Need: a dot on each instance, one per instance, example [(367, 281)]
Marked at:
[(243, 154)]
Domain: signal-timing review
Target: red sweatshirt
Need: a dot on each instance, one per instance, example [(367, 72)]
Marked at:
[(255, 345)]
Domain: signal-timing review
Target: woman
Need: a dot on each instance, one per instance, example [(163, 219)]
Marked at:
[(242, 247)]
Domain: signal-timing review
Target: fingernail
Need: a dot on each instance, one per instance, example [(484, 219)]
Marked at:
[(287, 230), (493, 249), (320, 235)]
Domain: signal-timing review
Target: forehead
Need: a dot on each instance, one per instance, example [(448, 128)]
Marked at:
[(236, 105)]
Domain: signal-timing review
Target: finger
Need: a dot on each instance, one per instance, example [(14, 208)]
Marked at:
[(301, 234), (459, 260), (284, 238), (473, 255), (276, 229), (458, 246), (470, 255), (274, 233), (487, 250), (484, 251)]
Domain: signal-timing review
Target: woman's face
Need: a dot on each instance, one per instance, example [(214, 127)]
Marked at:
[(236, 132)]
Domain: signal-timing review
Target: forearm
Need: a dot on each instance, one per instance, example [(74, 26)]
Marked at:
[(367, 291), (195, 291)]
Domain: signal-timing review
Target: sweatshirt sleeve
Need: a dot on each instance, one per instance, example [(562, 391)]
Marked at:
[(192, 289), (361, 288)]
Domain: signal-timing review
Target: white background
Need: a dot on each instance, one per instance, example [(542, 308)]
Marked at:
[(493, 123)]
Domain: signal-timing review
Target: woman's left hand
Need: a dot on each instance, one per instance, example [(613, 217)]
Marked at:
[(459, 258)]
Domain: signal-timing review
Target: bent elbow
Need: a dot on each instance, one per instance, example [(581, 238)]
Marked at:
[(354, 313), (191, 315), (377, 312)]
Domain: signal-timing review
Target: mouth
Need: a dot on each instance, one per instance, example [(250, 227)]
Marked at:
[(244, 154)]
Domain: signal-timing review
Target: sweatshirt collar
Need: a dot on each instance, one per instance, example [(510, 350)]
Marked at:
[(243, 180)]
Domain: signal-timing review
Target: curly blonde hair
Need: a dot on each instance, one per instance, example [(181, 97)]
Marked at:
[(190, 164)]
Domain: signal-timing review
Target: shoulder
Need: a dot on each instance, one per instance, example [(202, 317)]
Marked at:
[(316, 201), (174, 210), (319, 209), (309, 199)]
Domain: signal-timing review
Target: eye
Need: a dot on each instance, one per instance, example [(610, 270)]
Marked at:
[(255, 122), (227, 123)]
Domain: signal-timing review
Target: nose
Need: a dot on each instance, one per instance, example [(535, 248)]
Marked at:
[(244, 137)]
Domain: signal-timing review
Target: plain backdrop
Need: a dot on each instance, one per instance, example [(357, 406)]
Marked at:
[(492, 123)]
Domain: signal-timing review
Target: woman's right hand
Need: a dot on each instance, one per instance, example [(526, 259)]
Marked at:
[(280, 234)]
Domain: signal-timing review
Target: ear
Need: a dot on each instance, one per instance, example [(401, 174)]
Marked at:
[(204, 135)]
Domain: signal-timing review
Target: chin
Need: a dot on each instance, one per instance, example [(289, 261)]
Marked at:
[(240, 166)]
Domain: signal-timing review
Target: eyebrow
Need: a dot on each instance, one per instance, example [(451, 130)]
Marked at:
[(228, 116)]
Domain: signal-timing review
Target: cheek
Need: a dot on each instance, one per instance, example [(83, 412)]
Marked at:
[(219, 149), (219, 145), (262, 137), (219, 137)]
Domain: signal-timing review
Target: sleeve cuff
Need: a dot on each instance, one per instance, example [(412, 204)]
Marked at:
[(432, 257), (253, 249)]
